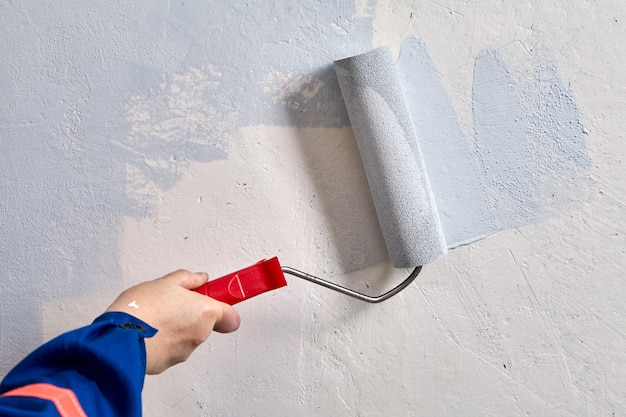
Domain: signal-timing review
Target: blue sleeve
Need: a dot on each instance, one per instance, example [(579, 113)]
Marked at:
[(103, 363)]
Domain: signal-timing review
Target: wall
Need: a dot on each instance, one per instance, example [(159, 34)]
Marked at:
[(138, 138)]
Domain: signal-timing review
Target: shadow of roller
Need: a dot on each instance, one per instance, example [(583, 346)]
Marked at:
[(396, 176)]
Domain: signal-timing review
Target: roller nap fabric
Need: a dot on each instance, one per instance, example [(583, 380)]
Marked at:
[(392, 159)]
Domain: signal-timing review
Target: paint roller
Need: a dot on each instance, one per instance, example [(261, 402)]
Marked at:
[(395, 172)]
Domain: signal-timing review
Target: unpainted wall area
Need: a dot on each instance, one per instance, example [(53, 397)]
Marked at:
[(138, 138)]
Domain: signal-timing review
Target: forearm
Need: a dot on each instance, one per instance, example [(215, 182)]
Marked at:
[(104, 364)]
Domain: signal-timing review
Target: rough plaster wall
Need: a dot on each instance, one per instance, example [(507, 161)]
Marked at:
[(140, 138)]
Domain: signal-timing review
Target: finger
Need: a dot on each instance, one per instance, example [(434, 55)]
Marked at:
[(229, 320), (189, 280)]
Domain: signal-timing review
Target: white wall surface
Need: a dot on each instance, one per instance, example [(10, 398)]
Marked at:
[(139, 138)]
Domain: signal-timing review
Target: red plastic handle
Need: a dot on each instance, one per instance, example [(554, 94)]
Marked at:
[(261, 277)]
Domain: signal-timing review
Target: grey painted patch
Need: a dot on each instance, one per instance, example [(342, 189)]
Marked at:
[(556, 134), (176, 124), (529, 139), (105, 104), (501, 142), (458, 186), (267, 75)]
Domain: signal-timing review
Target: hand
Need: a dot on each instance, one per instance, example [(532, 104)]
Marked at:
[(184, 318)]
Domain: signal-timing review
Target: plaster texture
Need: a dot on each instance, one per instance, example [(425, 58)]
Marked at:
[(138, 138)]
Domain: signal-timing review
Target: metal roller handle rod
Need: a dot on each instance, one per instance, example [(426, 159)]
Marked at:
[(352, 293)]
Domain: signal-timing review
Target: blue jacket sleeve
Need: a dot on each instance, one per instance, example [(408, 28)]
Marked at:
[(103, 363)]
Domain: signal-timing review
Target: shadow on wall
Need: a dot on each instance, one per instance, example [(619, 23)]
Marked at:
[(336, 172), (314, 100)]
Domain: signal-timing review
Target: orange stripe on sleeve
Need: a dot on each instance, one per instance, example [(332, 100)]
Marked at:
[(64, 399)]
